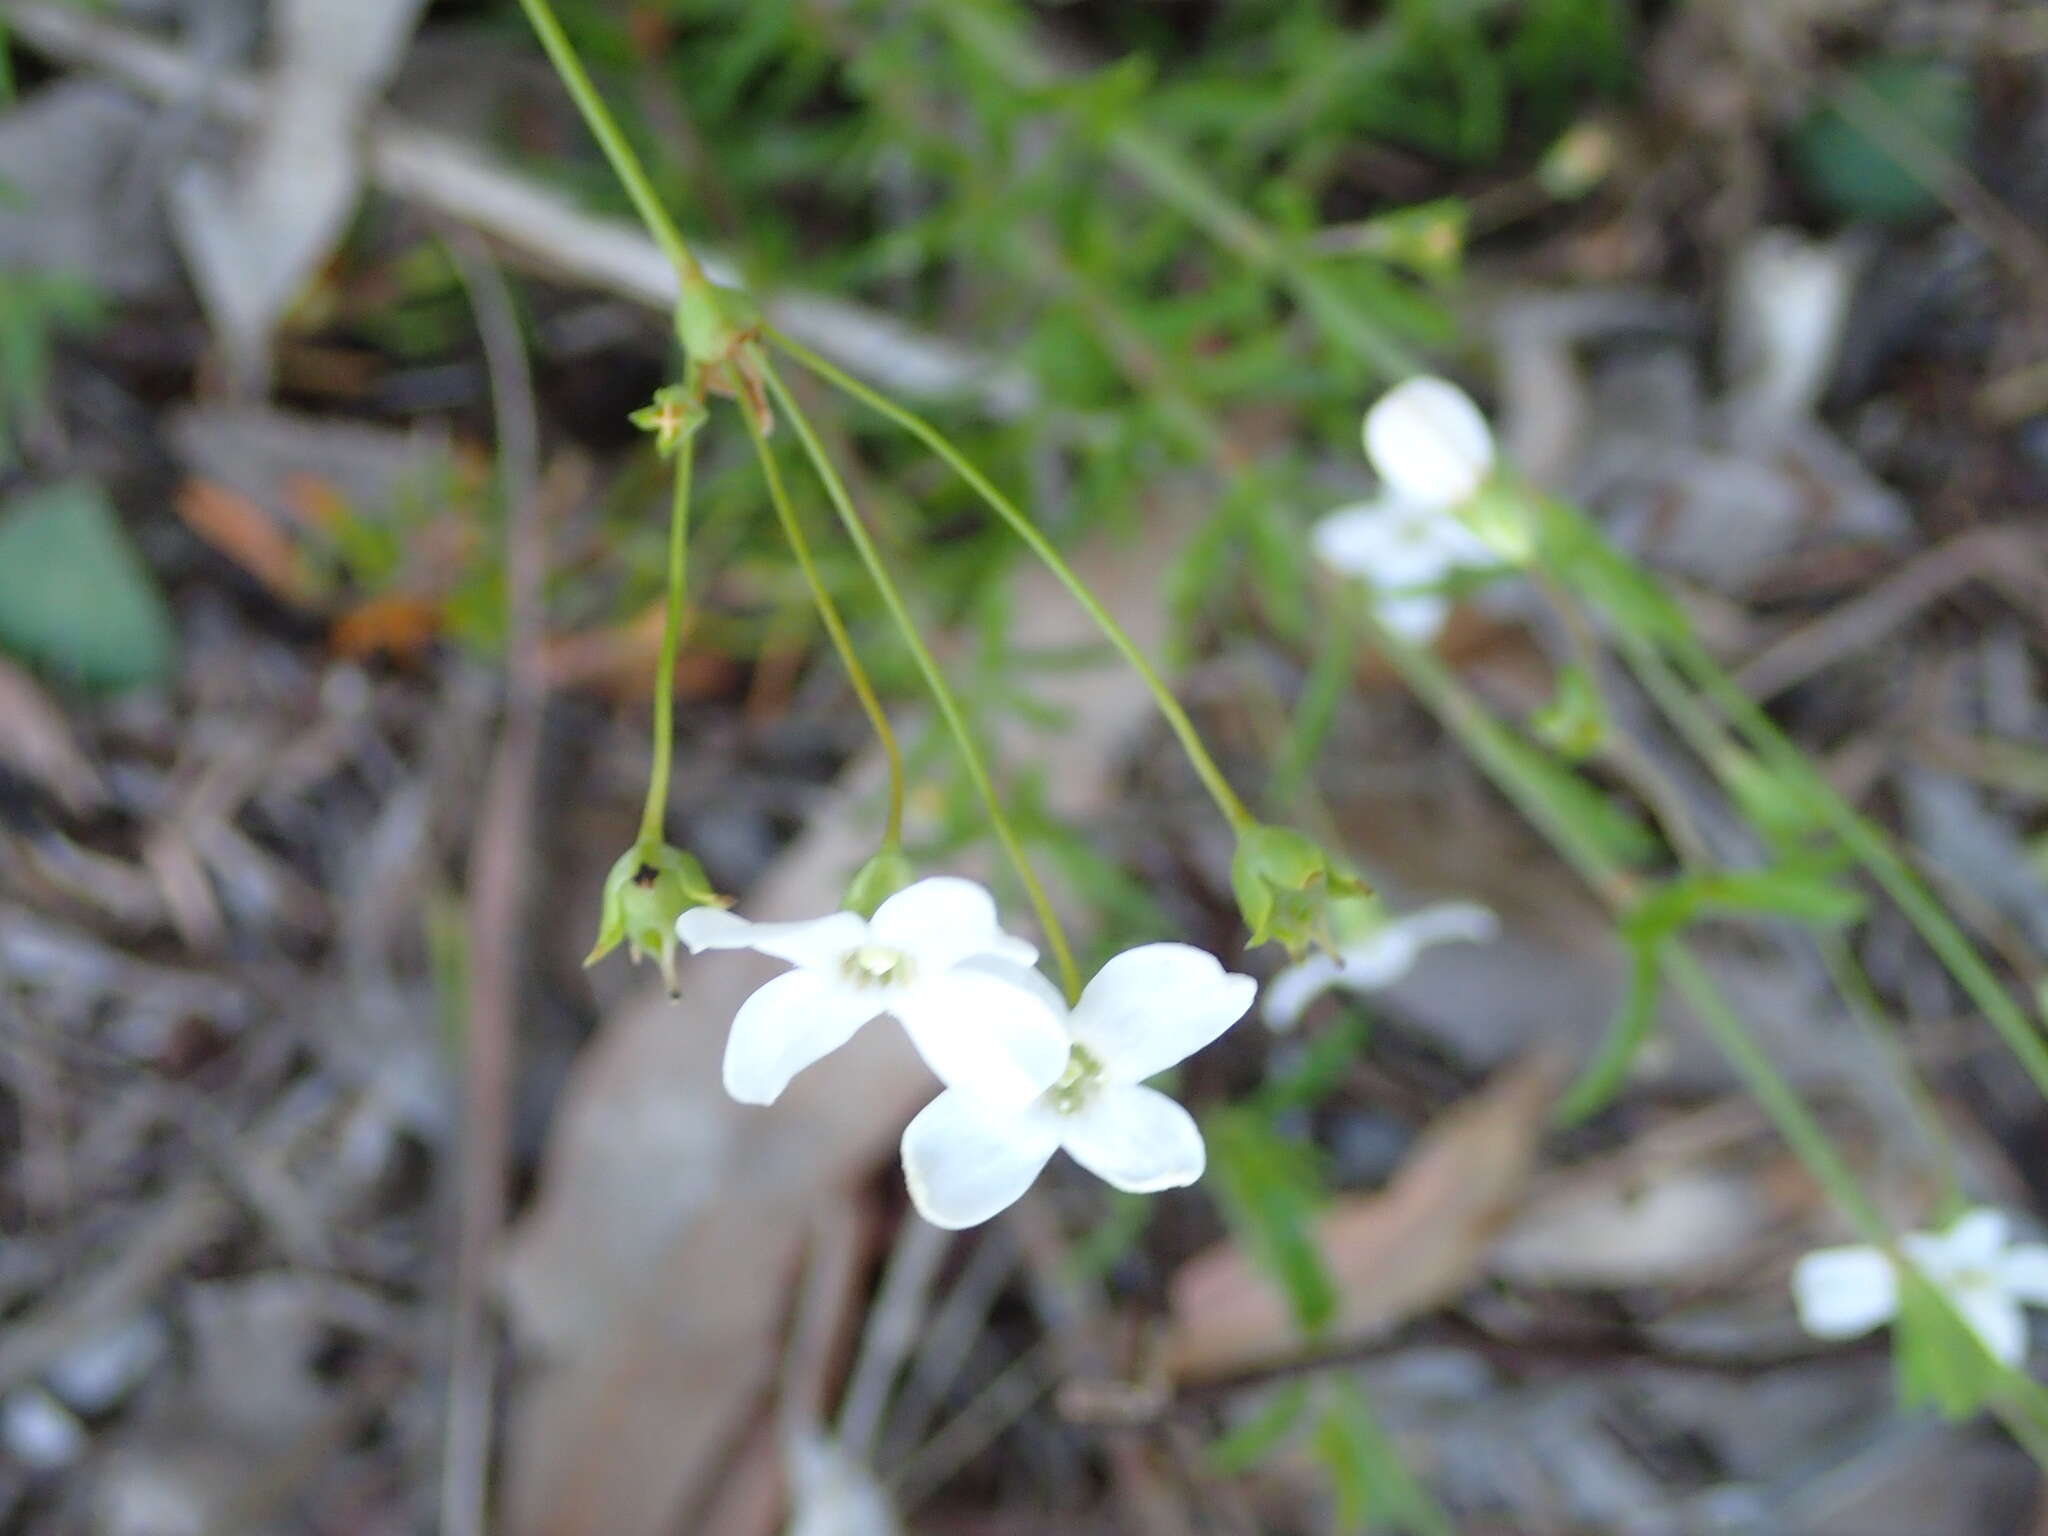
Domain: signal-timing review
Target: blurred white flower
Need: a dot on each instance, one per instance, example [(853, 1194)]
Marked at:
[(1375, 959), (1433, 451), (1146, 1010), (977, 1027), (1841, 1293), (1428, 441)]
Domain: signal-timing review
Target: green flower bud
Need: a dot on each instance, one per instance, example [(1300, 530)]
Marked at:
[(676, 412), (1288, 889), (649, 887), (877, 880)]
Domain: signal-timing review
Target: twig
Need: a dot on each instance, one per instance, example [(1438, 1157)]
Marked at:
[(893, 1323), (2000, 554), (948, 1340), (448, 177), (499, 870)]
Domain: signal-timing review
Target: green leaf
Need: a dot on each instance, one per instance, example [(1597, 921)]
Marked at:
[(1603, 1076), (1579, 804), (1937, 1361), (75, 597), (1259, 1436), (1375, 1489), (1271, 1195), (1844, 150), (1799, 894)]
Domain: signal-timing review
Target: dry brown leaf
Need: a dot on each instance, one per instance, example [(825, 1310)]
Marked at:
[(245, 533), (36, 742), (1393, 1254)]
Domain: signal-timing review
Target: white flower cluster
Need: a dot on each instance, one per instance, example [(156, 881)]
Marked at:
[(1024, 1074), (1433, 452)]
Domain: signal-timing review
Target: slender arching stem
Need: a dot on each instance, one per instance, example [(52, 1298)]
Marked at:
[(605, 129), (934, 677), (1190, 739), (828, 614), (671, 641)]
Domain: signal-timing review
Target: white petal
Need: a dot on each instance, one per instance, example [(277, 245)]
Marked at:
[(1449, 921), (1974, 1241), (1843, 1292), (1155, 1005), (1383, 958), (2023, 1271), (964, 1163), (1379, 959), (1417, 617), (943, 920), (995, 1031), (819, 942), (1387, 543), (1290, 992), (1135, 1138), (1996, 1319), (792, 1021), (1429, 442)]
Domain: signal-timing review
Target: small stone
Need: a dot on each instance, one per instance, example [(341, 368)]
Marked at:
[(39, 1431)]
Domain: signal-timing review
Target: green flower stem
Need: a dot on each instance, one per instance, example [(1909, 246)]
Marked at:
[(828, 614), (1709, 742), (652, 814), (1874, 850), (934, 677), (605, 129), (1481, 735), (1190, 739)]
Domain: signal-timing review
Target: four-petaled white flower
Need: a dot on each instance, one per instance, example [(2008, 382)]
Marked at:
[(1841, 1293), (978, 1028), (1433, 451), (1146, 1010), (1378, 958)]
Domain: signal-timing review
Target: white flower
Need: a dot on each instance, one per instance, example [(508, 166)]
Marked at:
[(1145, 1010), (977, 1028), (1376, 959), (1433, 450), (1989, 1279), (1429, 443)]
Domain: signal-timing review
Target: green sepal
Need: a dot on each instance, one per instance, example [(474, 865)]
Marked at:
[(649, 887), (1287, 888), (877, 880)]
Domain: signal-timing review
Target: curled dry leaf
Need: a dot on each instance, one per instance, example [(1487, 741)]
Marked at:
[(1393, 1254)]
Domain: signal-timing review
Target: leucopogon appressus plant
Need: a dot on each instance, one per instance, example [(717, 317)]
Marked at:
[(1028, 1067)]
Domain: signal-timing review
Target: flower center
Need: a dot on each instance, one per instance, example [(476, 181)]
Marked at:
[(1078, 1083), (876, 965)]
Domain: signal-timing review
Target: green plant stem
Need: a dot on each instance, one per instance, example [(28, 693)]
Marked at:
[(605, 129), (934, 677), (842, 642), (1432, 681), (1873, 849), (1183, 728), (652, 814)]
